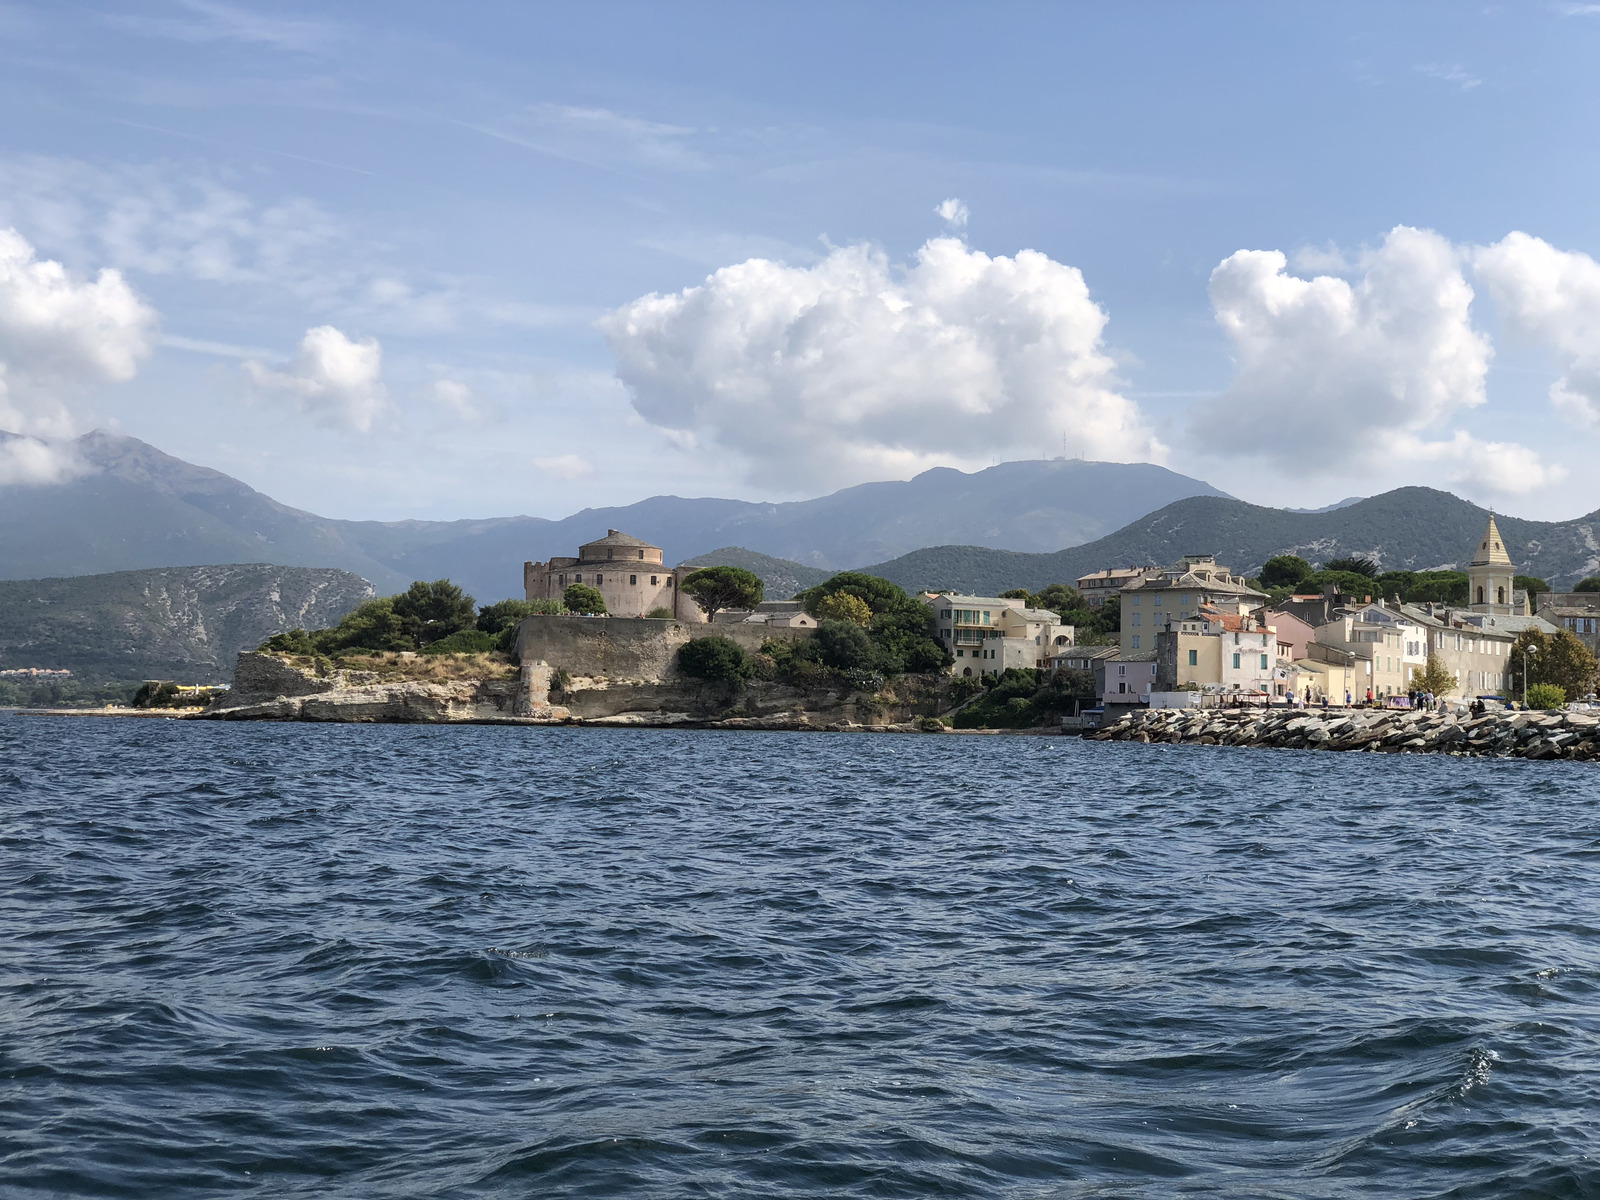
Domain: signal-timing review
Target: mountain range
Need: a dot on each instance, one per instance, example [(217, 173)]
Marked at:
[(135, 506), (183, 623), (1408, 529), (1004, 527)]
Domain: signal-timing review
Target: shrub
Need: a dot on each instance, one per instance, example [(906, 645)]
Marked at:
[(465, 641), (659, 614), (1591, 584), (717, 659), (430, 611), (1546, 695), (296, 641), (581, 598)]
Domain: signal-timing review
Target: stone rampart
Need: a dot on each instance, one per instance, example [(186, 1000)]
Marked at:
[(624, 648), (1538, 735)]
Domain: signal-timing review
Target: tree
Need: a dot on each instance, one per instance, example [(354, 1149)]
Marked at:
[(1356, 566), (1591, 584), (1434, 677), (493, 618), (716, 589), (1568, 664), (1546, 695), (430, 611), (1284, 570), (843, 645), (717, 659), (1349, 583), (842, 606), (374, 625), (879, 594), (581, 598)]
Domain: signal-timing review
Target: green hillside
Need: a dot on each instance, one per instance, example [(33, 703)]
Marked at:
[(1407, 529), (781, 577), (180, 623)]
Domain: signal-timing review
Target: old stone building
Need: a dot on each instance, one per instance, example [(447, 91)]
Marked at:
[(629, 573)]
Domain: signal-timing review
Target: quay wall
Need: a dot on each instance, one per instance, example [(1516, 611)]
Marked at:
[(1537, 735)]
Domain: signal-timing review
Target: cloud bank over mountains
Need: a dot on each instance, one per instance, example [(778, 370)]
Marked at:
[(1361, 368), (854, 369)]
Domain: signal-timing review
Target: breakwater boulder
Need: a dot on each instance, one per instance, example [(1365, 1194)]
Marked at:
[(1538, 735)]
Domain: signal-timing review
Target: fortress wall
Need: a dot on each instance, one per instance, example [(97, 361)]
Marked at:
[(620, 648)]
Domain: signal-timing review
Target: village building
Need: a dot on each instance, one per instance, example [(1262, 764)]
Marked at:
[(1099, 586), (630, 574), (1178, 592), (1125, 679), (1576, 612), (986, 635)]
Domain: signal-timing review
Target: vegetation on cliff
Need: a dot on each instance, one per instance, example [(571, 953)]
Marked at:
[(435, 619), (1022, 698), (898, 635)]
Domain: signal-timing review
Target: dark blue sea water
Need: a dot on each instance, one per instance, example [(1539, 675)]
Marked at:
[(500, 962)]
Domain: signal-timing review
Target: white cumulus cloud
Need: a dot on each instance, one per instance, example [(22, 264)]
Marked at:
[(1358, 378), (953, 212), (1551, 297), (564, 466), (335, 381), (853, 369), (60, 336)]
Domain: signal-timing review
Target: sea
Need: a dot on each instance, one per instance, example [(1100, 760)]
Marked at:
[(471, 961)]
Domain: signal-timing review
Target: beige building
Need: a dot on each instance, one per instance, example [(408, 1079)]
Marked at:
[(989, 634), (1218, 652), (629, 573), (1178, 593), (1099, 586)]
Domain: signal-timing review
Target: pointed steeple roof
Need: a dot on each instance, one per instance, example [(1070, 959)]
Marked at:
[(1491, 549)]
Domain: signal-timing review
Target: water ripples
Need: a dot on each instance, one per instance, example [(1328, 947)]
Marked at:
[(393, 961)]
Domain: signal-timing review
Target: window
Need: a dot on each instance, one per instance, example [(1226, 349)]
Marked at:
[(611, 553), (561, 580), (641, 554), (578, 578), (1152, 668), (1186, 597), (1121, 669), (1136, 602), (1263, 662), (1501, 592), (1122, 688), (961, 653), (1157, 601), (633, 580), (599, 579), (672, 580), (1136, 641), (1194, 658), (654, 582), (1136, 619), (1235, 662)]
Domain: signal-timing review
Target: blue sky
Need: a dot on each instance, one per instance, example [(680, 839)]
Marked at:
[(471, 202)]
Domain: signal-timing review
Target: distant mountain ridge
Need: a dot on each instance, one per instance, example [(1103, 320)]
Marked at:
[(1411, 529), (182, 623), (139, 507)]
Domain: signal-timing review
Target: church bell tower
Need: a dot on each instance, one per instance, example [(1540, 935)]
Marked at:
[(1490, 575)]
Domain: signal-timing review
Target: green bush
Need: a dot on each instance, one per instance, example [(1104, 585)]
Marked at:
[(1546, 695), (659, 614), (717, 659), (844, 645), (581, 598), (466, 641), (493, 618), (373, 625), (430, 611)]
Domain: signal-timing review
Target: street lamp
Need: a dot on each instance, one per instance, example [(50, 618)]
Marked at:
[(1526, 650)]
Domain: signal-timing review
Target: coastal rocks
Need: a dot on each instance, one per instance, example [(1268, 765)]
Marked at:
[(1536, 735), (268, 688)]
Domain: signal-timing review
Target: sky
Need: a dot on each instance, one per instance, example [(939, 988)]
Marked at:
[(437, 261)]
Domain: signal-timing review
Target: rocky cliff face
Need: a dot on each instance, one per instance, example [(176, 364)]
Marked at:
[(183, 623), (267, 687)]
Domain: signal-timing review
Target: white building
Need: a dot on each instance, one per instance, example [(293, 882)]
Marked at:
[(989, 634)]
